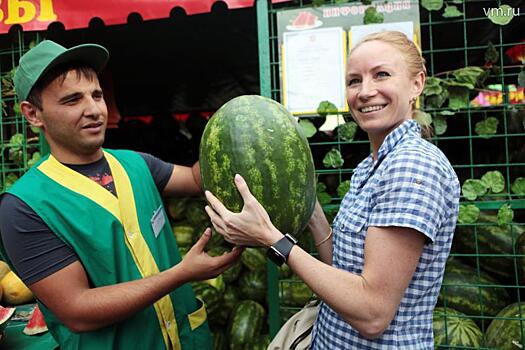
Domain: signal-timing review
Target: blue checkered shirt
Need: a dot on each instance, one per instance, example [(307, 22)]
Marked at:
[(412, 184)]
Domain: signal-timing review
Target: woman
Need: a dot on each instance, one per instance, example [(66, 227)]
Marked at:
[(381, 270)]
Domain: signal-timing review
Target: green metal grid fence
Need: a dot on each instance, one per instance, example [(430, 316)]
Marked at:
[(20, 144), (486, 269)]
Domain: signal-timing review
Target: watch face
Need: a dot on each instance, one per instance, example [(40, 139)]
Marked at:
[(275, 256)]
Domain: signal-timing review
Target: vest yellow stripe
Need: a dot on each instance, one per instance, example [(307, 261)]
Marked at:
[(139, 249), (80, 184)]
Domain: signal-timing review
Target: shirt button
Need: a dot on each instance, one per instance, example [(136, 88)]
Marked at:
[(168, 324), (131, 234)]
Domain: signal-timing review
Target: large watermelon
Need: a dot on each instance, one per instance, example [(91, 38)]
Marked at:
[(491, 239), (507, 333), (464, 291), (454, 328), (259, 139)]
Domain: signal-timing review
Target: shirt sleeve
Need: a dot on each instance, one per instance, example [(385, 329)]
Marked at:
[(34, 250), (410, 193), (160, 170)]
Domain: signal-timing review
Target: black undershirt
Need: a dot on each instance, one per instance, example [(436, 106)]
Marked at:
[(34, 250)]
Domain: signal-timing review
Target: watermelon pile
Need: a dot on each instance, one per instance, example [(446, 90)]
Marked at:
[(480, 287)]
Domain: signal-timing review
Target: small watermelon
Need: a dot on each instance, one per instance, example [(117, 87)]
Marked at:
[(252, 285), (5, 314), (246, 322), (464, 291), (454, 328), (36, 324), (254, 259), (259, 139), (506, 331)]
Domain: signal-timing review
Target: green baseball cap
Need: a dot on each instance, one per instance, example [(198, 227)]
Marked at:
[(43, 57)]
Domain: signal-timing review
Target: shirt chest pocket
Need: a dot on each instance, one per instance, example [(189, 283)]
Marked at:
[(350, 234)]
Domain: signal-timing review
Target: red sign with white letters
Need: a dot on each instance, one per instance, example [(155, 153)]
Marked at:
[(38, 14)]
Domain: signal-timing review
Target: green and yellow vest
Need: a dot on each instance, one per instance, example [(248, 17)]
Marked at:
[(115, 242)]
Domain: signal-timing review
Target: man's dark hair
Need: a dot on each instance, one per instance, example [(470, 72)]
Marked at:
[(60, 72)]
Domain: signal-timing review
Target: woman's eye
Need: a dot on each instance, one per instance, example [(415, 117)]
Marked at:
[(382, 74), (352, 82)]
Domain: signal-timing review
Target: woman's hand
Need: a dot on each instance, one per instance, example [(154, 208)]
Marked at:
[(252, 226)]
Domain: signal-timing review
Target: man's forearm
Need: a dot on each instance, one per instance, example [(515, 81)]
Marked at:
[(89, 309)]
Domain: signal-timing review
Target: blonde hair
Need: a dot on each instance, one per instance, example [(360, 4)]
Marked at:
[(413, 58)]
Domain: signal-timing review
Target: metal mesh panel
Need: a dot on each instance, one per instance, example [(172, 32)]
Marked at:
[(487, 246), (20, 144)]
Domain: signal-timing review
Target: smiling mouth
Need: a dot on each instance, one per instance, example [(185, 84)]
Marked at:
[(369, 109)]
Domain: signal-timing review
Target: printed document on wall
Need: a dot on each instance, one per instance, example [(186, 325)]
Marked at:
[(313, 69)]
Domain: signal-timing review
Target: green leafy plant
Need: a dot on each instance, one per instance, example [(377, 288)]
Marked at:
[(494, 181), (347, 131), (372, 16), (34, 158), (505, 215), (468, 75), (326, 107), (322, 196), (452, 11), (432, 5), (333, 159), (440, 124), (307, 127), (488, 127), (491, 55), (468, 214), (474, 188), (518, 186), (343, 188), (501, 16), (423, 118)]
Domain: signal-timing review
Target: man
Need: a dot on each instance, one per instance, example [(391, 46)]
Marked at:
[(99, 255)]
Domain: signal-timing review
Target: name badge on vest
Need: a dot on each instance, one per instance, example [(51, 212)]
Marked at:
[(157, 221)]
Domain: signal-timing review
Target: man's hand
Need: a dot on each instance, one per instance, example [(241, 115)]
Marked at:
[(198, 265), (252, 226)]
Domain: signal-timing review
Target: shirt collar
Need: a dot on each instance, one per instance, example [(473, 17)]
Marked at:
[(390, 141)]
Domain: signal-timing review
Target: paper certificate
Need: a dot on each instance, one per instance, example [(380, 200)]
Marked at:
[(313, 69)]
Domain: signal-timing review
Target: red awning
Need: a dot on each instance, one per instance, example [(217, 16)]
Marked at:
[(38, 14)]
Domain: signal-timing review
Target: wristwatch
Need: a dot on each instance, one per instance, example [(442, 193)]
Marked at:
[(279, 251)]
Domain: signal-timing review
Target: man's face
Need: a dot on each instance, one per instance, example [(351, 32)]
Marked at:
[(74, 116)]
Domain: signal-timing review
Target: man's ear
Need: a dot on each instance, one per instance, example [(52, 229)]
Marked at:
[(30, 112)]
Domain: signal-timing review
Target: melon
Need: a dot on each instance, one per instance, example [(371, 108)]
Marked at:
[(5, 314), (259, 139), (15, 292), (4, 269), (36, 324)]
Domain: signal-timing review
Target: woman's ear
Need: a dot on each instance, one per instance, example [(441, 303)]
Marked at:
[(419, 84), (30, 113)]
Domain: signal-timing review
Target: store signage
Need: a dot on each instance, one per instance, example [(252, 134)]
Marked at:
[(39, 14)]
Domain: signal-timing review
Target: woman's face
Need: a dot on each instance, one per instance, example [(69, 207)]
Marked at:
[(379, 88)]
